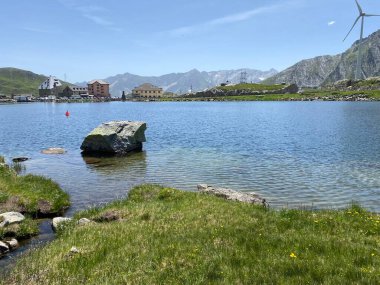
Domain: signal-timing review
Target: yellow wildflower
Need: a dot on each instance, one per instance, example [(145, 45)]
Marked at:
[(293, 255)]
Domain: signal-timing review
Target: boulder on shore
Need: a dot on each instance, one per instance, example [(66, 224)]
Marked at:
[(59, 221), (233, 195), (10, 218), (116, 137)]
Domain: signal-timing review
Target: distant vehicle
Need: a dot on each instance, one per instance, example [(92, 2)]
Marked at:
[(23, 98)]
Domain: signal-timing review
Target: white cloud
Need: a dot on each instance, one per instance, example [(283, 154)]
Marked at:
[(229, 19), (331, 23), (36, 30), (98, 20), (91, 12)]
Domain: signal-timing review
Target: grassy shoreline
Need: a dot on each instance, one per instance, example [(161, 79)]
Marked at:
[(307, 95), (166, 236), (31, 195)]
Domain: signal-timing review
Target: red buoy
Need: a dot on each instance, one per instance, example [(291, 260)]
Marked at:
[(67, 113)]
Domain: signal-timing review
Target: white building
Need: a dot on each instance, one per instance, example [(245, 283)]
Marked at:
[(49, 86)]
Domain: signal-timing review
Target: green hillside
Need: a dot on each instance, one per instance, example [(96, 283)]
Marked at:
[(18, 81)]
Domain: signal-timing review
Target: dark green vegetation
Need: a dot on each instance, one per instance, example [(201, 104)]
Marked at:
[(17, 81), (253, 87), (34, 195), (166, 236), (307, 95)]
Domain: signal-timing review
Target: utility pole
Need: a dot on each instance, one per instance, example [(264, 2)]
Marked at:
[(243, 77)]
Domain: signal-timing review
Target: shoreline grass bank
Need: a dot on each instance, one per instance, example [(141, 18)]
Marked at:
[(34, 196), (166, 236), (307, 95)]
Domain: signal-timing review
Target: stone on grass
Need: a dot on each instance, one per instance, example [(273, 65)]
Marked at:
[(115, 138), (11, 218), (59, 221), (74, 250), (233, 195), (54, 150), (84, 221)]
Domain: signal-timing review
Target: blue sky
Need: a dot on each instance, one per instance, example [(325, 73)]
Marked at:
[(87, 39)]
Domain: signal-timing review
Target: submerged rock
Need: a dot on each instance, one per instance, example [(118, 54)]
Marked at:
[(233, 195), (20, 159), (10, 218), (116, 137), (54, 150)]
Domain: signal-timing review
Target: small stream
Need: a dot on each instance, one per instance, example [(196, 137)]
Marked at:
[(46, 235)]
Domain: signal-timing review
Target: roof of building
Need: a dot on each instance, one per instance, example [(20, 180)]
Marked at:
[(147, 86), (99, 81), (50, 83)]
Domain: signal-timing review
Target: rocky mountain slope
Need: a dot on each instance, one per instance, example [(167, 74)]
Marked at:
[(183, 82), (324, 70)]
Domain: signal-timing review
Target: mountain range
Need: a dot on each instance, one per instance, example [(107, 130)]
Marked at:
[(194, 80), (318, 71), (323, 70)]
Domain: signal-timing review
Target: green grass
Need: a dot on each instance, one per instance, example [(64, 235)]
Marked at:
[(30, 194), (28, 228), (17, 81), (308, 94), (252, 86), (166, 236)]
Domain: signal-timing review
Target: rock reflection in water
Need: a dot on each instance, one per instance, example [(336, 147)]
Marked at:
[(133, 163)]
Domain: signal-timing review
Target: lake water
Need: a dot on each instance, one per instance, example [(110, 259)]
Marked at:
[(319, 154)]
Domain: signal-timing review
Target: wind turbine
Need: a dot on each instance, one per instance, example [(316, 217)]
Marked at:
[(361, 16)]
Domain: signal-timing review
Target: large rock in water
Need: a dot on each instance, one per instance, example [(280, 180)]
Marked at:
[(117, 137)]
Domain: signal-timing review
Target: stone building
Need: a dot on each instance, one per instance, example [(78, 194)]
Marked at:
[(99, 88), (74, 90), (50, 87), (147, 91)]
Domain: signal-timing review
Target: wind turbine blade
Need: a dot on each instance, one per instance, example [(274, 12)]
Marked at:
[(372, 15), (360, 8), (353, 26)]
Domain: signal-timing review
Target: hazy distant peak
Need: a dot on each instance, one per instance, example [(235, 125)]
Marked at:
[(193, 79)]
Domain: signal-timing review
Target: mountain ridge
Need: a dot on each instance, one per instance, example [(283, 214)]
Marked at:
[(183, 82), (323, 70)]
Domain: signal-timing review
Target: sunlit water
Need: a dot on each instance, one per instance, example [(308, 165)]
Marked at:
[(320, 154)]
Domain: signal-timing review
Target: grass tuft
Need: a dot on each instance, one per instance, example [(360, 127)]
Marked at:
[(30, 194)]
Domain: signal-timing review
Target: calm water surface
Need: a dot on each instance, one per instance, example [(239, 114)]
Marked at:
[(321, 154)]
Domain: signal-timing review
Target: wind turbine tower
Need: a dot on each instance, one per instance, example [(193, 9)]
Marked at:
[(361, 17)]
